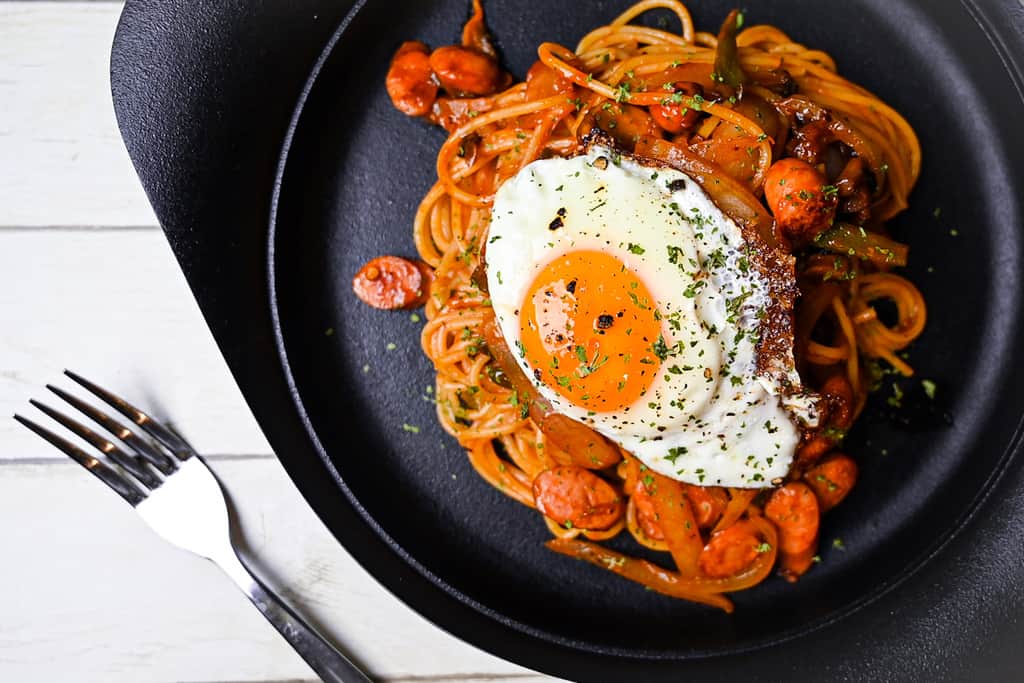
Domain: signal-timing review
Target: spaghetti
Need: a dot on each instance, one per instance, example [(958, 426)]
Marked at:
[(673, 96)]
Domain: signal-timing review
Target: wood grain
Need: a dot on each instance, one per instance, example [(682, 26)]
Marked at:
[(113, 306), (63, 159)]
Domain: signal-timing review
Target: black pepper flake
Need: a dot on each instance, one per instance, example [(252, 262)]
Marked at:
[(604, 321), (571, 287), (561, 212), (536, 374), (556, 224), (677, 185)]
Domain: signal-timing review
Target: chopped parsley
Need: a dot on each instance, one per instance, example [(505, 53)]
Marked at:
[(691, 291), (660, 348), (896, 400), (674, 453), (581, 354), (929, 388)]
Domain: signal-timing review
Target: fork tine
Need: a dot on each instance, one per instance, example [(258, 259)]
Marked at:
[(133, 463), (169, 439), (141, 446), (107, 475)]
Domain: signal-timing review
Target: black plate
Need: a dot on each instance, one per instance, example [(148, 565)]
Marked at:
[(410, 508)]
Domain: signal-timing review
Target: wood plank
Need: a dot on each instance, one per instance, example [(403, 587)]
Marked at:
[(114, 307), (96, 593), (58, 133)]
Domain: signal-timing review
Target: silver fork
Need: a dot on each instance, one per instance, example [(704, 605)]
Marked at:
[(177, 495)]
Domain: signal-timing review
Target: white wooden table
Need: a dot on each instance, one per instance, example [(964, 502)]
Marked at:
[(87, 281)]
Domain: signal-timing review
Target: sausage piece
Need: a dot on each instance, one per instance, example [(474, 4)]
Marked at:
[(832, 479), (410, 81), (708, 504), (464, 71), (794, 510), (839, 397), (803, 205), (575, 497), (730, 551), (812, 451), (391, 282), (675, 117)]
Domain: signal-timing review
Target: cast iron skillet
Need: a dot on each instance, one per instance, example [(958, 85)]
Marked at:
[(410, 508)]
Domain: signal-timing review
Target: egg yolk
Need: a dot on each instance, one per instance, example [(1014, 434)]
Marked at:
[(589, 329)]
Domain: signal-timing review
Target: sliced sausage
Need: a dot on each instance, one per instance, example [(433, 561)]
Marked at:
[(674, 116), (794, 510), (410, 80), (812, 451), (730, 551), (391, 282), (465, 71), (832, 479), (803, 204), (708, 504), (577, 498), (839, 396)]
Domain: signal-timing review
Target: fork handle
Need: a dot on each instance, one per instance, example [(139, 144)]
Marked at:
[(327, 662)]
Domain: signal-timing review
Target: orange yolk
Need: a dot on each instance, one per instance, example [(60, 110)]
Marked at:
[(588, 326)]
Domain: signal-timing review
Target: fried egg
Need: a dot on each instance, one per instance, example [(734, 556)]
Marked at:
[(637, 307)]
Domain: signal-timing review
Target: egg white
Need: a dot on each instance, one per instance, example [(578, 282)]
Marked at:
[(708, 418)]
